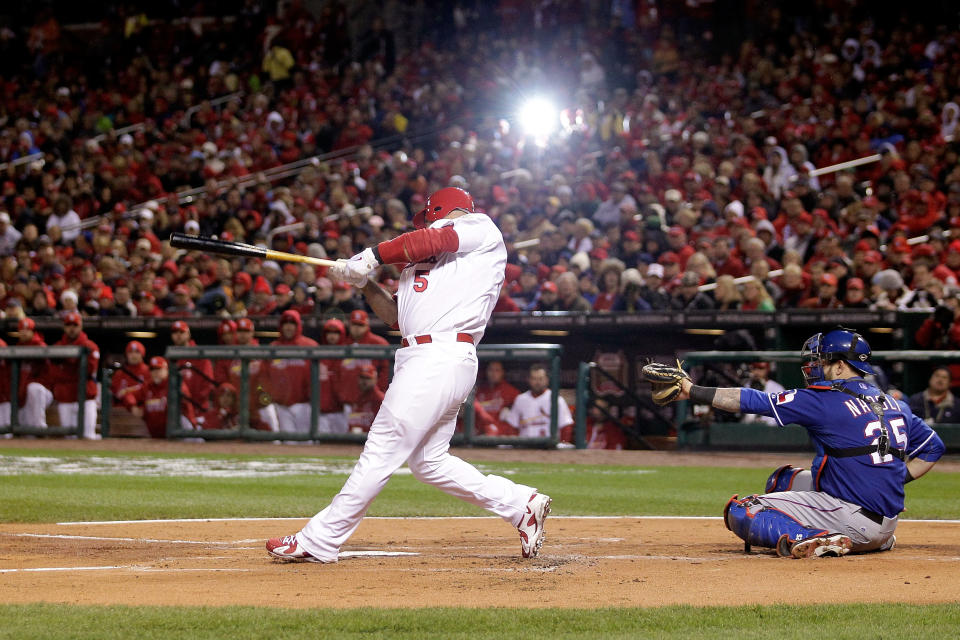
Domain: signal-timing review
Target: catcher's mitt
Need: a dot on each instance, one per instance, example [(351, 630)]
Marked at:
[(666, 379)]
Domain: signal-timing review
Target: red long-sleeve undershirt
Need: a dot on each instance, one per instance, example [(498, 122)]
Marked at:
[(417, 246)]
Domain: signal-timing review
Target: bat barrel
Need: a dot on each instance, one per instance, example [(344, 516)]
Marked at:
[(213, 245)]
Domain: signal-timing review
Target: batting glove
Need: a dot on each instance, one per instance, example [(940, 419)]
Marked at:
[(360, 266), (339, 272)]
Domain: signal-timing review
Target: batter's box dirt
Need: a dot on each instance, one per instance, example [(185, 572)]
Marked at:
[(585, 562)]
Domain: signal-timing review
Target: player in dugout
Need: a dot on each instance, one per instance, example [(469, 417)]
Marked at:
[(197, 373), (150, 401), (369, 398), (131, 375), (61, 383), (868, 445)]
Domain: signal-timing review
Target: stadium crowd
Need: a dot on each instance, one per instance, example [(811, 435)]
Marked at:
[(683, 175), (680, 163)]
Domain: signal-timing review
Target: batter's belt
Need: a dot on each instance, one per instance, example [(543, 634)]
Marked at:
[(427, 339)]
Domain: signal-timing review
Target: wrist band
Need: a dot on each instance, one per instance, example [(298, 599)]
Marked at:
[(702, 395), (376, 253), (908, 477)]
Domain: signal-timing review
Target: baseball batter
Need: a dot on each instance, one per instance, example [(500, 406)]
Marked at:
[(868, 445), (454, 265)]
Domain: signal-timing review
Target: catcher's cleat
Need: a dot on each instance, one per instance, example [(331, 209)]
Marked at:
[(287, 548), (825, 546), (889, 545), (531, 528)]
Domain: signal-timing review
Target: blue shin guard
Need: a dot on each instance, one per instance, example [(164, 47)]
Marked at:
[(757, 524), (782, 479)]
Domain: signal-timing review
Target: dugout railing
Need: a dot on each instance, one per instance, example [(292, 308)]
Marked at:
[(645, 423), (693, 431), (13, 357), (549, 354)]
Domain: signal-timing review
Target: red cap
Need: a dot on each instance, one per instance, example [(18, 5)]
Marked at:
[(862, 245), (242, 277), (829, 278), (954, 246), (179, 325), (262, 286), (106, 293), (146, 295), (900, 245), (677, 231), (181, 288), (170, 265), (599, 254), (669, 257), (924, 250), (227, 326), (26, 324), (244, 324), (805, 217), (333, 324), (73, 318), (855, 283), (134, 345), (549, 285), (159, 283), (158, 362), (873, 256), (871, 201), (631, 235), (282, 289), (367, 371), (359, 316)]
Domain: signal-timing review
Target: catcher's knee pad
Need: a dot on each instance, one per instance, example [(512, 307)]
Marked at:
[(782, 479), (761, 525)]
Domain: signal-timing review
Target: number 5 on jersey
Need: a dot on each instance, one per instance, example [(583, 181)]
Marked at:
[(420, 280)]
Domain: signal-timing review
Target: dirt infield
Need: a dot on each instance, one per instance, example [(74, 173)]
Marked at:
[(585, 562)]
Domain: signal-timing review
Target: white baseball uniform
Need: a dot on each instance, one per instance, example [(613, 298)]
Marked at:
[(453, 294), (530, 415)]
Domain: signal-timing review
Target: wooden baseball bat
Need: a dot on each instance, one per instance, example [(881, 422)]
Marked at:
[(228, 248)]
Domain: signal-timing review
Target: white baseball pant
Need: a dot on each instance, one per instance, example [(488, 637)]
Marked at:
[(268, 415), (333, 422), (39, 398), (5, 418), (294, 418), (414, 425)]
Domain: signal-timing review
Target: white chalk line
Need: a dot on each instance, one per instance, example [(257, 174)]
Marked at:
[(127, 567), (552, 517), (150, 540)]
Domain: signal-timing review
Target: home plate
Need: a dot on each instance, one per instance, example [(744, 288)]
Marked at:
[(378, 554)]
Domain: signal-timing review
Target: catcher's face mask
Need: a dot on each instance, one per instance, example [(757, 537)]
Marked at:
[(811, 362)]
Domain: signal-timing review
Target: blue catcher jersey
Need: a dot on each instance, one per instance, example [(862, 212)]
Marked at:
[(836, 420)]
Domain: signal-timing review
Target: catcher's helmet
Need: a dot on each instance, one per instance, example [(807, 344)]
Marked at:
[(839, 344), (440, 204)]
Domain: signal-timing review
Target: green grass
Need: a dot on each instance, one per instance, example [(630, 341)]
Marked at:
[(776, 622), (576, 489)]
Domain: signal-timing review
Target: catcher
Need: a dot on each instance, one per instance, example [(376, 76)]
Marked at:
[(868, 445)]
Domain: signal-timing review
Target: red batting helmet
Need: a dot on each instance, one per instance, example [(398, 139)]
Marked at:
[(440, 204)]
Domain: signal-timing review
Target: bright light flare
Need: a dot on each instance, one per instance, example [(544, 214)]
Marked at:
[(539, 118)]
